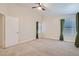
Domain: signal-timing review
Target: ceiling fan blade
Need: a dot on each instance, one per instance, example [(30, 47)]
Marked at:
[(43, 9), (39, 4), (34, 7)]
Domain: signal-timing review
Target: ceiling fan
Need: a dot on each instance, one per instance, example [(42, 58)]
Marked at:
[(39, 6)]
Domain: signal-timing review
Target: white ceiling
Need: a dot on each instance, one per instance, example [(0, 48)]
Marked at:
[(61, 8), (55, 8)]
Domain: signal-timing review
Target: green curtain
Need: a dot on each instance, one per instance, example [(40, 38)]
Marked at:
[(77, 30), (62, 28)]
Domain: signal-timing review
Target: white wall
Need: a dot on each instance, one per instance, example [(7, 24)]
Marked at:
[(51, 25), (27, 19)]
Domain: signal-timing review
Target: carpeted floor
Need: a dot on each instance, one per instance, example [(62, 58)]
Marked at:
[(42, 47)]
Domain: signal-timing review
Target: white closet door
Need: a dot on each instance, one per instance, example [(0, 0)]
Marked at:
[(11, 31)]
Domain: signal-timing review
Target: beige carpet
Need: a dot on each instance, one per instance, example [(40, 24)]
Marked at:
[(42, 47)]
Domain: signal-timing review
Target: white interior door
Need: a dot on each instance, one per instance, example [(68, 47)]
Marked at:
[(11, 31)]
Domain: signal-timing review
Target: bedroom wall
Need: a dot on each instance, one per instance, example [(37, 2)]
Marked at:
[(27, 19), (51, 25)]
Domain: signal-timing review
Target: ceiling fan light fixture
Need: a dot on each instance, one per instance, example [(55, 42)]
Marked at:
[(39, 8)]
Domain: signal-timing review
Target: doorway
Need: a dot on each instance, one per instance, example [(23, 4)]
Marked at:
[(37, 30)]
